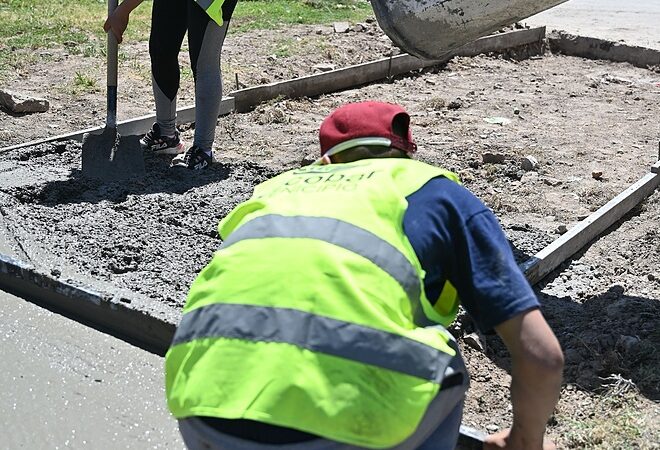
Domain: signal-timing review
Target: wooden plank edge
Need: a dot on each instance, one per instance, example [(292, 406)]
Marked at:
[(136, 125), (470, 438), (360, 74), (548, 259), (594, 48), (85, 305), (245, 99), (655, 168)]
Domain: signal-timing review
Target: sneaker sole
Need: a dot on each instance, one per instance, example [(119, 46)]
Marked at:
[(170, 150)]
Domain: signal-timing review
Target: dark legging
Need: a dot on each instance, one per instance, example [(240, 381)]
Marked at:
[(170, 21)]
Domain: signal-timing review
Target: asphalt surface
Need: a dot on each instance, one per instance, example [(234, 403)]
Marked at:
[(65, 385)]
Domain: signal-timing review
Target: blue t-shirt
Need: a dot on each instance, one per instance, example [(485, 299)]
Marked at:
[(457, 238)]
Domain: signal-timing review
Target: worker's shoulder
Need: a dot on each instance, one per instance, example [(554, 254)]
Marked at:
[(442, 193)]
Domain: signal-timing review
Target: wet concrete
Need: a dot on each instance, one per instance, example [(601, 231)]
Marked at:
[(147, 238), (140, 241), (526, 240), (66, 385)]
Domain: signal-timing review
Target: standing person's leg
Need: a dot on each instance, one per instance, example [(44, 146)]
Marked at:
[(168, 27), (205, 39)]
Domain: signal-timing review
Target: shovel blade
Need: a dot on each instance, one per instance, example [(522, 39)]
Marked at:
[(109, 156), (429, 29)]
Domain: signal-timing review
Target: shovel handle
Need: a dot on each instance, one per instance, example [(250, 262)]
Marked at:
[(111, 119)]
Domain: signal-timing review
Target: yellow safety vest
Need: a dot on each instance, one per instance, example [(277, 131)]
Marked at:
[(312, 314)]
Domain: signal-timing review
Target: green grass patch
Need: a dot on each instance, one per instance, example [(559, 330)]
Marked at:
[(28, 27), (83, 84), (616, 422), (265, 14)]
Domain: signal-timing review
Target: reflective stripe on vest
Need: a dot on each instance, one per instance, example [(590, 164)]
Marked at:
[(213, 8), (316, 333), (341, 234)]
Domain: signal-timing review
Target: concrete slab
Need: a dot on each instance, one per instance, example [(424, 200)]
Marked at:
[(71, 386), (636, 22)]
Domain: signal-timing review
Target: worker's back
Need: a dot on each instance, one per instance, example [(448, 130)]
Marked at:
[(311, 314)]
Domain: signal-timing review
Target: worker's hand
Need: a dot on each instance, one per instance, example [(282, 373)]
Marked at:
[(117, 22), (504, 440)]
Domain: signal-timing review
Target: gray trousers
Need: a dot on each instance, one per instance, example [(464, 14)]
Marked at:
[(438, 429), (170, 21)]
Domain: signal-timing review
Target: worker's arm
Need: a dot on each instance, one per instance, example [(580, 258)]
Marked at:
[(537, 365), (118, 20)]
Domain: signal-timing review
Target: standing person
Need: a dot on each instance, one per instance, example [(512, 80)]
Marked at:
[(206, 22), (320, 322)]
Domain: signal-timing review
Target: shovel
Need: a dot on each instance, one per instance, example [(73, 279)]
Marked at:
[(108, 155), (428, 29)]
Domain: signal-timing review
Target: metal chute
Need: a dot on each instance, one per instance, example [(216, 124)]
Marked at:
[(431, 28)]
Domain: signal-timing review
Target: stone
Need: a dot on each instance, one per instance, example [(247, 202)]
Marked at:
[(472, 340), (561, 229), (22, 104), (627, 343), (324, 67), (572, 356), (493, 158), (341, 27), (597, 174), (529, 163), (551, 181), (455, 104), (359, 27), (529, 177)]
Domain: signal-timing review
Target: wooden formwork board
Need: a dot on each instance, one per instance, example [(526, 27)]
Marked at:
[(655, 168), (360, 74), (594, 48), (129, 127), (548, 259), (86, 305), (313, 85)]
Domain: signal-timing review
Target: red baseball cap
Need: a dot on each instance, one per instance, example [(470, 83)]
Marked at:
[(365, 123)]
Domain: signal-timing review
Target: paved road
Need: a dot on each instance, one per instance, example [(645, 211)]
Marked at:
[(635, 22), (65, 385)]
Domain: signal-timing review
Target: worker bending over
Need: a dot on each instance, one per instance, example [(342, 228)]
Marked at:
[(320, 322)]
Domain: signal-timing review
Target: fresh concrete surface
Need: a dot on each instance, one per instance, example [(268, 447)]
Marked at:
[(634, 22), (65, 385)]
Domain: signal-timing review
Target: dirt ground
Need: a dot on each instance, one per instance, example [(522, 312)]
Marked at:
[(591, 126)]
